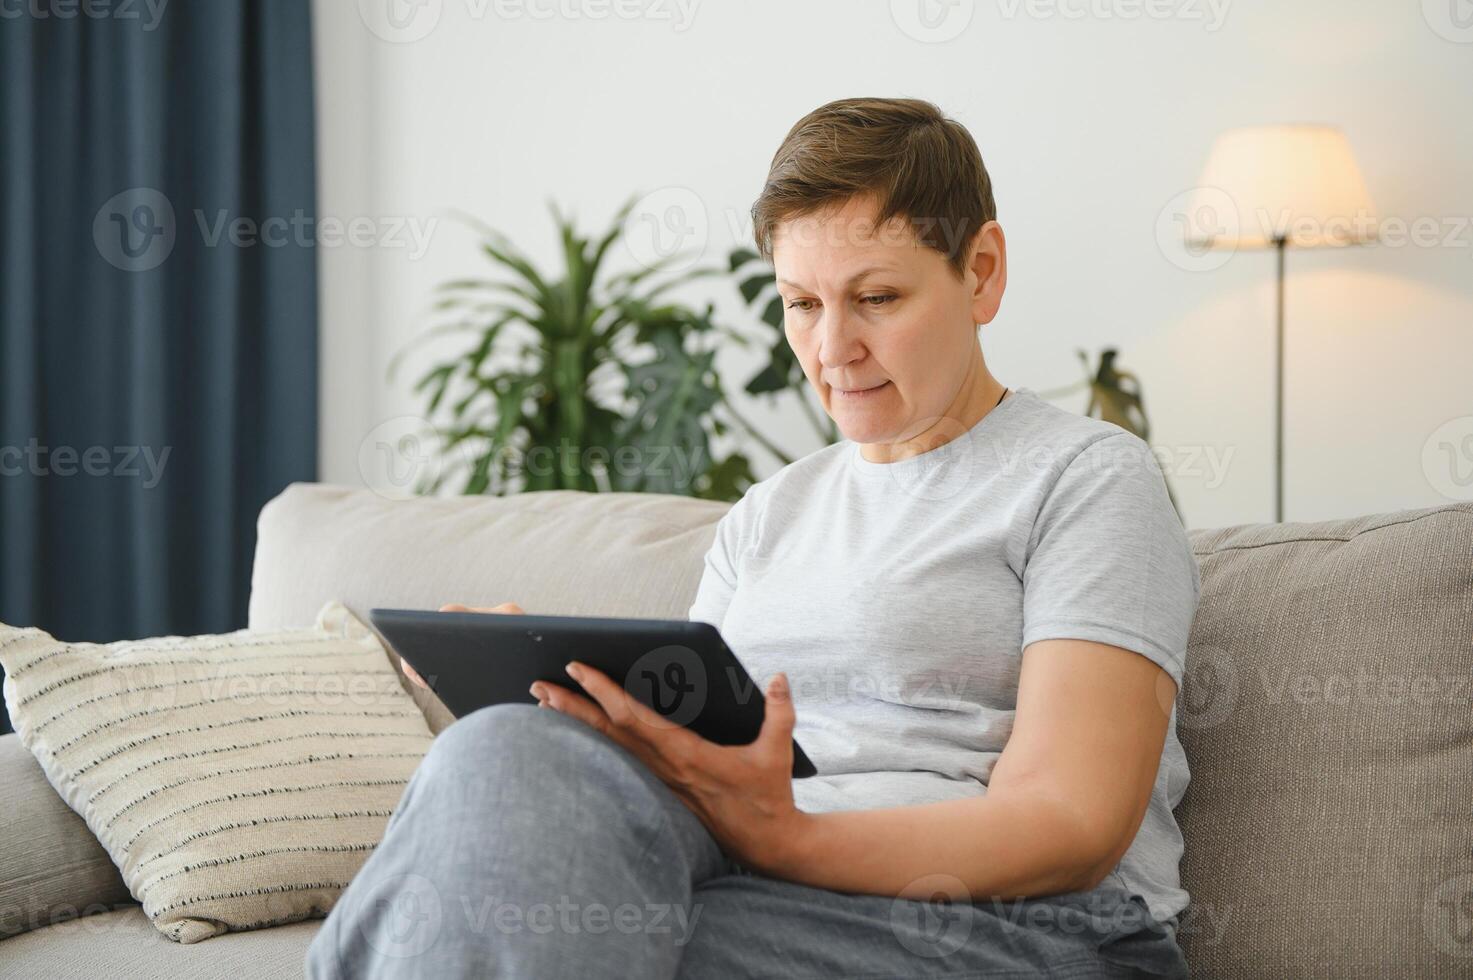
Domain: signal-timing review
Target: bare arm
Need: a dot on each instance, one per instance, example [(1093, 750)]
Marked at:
[(1063, 804)]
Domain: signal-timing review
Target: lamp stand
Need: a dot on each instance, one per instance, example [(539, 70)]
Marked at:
[(1279, 249)]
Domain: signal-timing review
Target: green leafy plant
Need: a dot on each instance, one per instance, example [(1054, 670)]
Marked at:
[(585, 380), (782, 375), (1114, 396)]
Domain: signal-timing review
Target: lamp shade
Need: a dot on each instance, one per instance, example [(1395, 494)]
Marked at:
[(1295, 182)]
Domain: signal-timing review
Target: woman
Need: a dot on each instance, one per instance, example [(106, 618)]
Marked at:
[(973, 613)]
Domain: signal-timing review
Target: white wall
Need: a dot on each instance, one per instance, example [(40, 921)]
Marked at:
[(1091, 121)]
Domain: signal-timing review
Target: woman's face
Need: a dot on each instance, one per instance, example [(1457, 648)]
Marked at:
[(885, 331)]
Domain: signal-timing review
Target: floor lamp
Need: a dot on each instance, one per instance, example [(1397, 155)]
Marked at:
[(1276, 187)]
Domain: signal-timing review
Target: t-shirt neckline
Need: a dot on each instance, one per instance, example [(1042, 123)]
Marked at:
[(901, 467)]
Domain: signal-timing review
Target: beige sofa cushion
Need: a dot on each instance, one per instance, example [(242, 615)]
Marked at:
[(122, 944), (1327, 715), (237, 781), (559, 551), (51, 867)]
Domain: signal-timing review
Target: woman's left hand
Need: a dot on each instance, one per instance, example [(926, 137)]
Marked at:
[(742, 793)]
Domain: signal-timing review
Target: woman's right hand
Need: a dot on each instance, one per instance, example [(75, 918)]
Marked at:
[(508, 608)]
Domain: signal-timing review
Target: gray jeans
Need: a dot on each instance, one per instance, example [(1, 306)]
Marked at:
[(529, 845)]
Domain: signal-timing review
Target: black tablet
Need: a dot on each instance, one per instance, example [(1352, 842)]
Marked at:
[(684, 670)]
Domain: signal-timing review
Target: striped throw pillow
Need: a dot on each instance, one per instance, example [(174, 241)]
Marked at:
[(237, 781)]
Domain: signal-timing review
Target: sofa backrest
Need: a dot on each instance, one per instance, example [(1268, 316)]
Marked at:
[(1325, 712), (554, 552), (1327, 716)]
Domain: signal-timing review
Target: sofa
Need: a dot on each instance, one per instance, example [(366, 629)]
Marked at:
[(1327, 715)]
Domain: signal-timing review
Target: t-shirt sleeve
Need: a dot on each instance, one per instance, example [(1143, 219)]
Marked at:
[(719, 576), (1108, 559)]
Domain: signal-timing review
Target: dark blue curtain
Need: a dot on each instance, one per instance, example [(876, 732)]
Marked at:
[(158, 334)]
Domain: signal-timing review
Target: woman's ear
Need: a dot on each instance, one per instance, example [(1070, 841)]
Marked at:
[(989, 264)]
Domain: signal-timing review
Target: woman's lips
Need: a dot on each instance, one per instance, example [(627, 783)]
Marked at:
[(862, 393)]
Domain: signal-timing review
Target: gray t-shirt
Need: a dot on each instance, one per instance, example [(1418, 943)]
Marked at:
[(899, 598)]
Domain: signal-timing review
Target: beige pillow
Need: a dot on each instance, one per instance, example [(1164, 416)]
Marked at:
[(237, 781)]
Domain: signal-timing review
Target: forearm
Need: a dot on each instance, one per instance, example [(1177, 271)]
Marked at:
[(996, 846)]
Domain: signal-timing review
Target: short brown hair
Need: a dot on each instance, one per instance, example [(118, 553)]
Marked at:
[(921, 165)]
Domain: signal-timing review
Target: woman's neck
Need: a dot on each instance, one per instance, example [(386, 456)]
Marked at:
[(979, 394)]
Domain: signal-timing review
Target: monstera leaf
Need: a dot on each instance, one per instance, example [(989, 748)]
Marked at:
[(675, 391)]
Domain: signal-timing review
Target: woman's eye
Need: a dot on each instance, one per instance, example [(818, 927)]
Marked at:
[(794, 305), (882, 297)]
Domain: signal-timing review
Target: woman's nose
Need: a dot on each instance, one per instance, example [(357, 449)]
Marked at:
[(839, 342)]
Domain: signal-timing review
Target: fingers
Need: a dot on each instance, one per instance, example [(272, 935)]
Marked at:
[(624, 710), (412, 674), (669, 748), (571, 703), (505, 607), (775, 740)]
